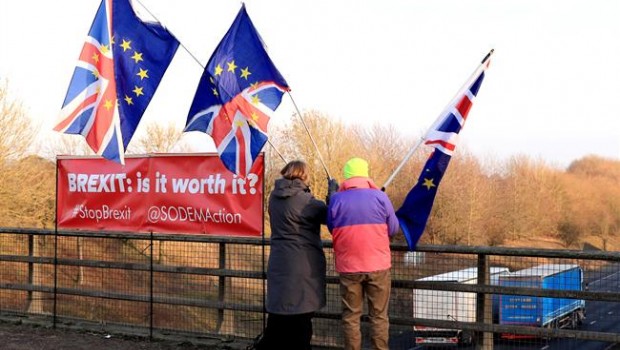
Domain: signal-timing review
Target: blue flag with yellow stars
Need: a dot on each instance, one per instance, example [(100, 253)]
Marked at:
[(237, 93), (417, 206), (120, 67)]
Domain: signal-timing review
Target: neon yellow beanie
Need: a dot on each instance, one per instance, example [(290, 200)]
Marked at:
[(355, 167)]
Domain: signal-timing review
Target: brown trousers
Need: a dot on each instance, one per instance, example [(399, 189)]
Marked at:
[(375, 286)]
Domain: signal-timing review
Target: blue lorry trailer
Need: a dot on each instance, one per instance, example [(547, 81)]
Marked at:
[(543, 311)]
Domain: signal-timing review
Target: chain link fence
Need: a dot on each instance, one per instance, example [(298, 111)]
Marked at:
[(196, 286)]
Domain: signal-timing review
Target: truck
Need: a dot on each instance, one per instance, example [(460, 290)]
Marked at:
[(542, 311), (449, 305)]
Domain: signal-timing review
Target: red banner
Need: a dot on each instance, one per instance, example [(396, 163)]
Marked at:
[(193, 194)]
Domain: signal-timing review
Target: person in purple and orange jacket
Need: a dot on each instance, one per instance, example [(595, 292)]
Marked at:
[(361, 220)]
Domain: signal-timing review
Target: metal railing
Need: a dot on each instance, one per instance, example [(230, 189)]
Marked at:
[(195, 285)]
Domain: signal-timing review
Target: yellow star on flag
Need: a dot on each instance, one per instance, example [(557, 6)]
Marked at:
[(129, 100), (143, 73), (108, 104), (138, 91), (245, 73), (126, 45), (137, 56), (428, 183), (218, 70), (231, 66)]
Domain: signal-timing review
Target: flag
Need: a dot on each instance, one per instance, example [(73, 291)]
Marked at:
[(120, 66), (443, 137), (238, 91)]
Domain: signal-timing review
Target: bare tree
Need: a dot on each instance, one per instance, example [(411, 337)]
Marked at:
[(385, 148), (63, 144), (569, 233), (27, 193), (24, 182), (595, 167), (532, 198), (335, 142), (458, 206), (494, 224), (155, 139), (593, 196), (17, 131), (158, 139)]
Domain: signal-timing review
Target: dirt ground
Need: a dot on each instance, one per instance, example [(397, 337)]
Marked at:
[(19, 336)]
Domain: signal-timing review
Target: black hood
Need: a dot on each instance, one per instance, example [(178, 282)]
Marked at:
[(286, 188)]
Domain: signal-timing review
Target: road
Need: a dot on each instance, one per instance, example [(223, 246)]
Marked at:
[(600, 317)]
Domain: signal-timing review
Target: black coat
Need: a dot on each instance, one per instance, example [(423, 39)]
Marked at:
[(296, 271)]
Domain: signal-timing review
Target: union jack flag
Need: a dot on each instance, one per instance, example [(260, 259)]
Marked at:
[(443, 137), (238, 91), (120, 66)]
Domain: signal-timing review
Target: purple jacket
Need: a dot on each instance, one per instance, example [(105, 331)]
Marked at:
[(361, 219)]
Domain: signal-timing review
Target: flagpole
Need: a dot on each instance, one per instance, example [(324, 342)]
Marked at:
[(311, 138), (402, 163), (487, 56), (180, 43), (278, 152)]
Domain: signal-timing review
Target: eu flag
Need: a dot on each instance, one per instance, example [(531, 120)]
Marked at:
[(120, 67), (239, 89), (443, 137), (416, 208)]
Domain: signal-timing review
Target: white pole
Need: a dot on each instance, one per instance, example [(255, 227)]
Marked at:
[(402, 163)]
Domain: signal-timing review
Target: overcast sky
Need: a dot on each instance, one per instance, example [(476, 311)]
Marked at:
[(551, 91)]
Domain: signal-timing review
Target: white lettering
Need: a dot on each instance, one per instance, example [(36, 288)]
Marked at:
[(94, 183), (211, 185), (102, 213), (190, 214)]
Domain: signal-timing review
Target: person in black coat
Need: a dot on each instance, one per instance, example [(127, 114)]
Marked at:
[(296, 268)]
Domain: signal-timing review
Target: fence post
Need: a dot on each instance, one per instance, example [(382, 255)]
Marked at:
[(55, 306), (35, 299), (484, 307), (151, 287), (221, 292), (30, 268)]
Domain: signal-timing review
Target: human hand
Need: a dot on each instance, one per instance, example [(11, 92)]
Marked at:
[(332, 187)]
